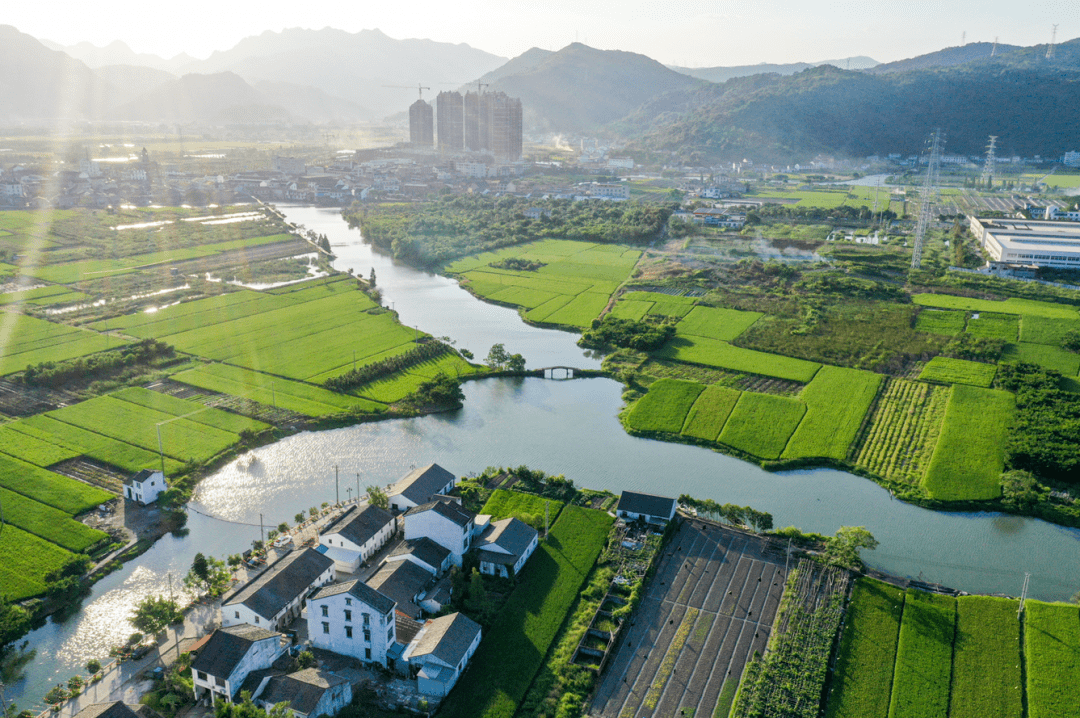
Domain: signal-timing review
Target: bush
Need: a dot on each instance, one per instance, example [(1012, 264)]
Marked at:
[(627, 333)]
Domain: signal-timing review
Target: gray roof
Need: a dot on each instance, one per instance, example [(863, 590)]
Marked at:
[(301, 690), (447, 509), (402, 581), (361, 591), (424, 549), (648, 504), (227, 647), (360, 525), (511, 535), (116, 709), (447, 638), (421, 484), (140, 477), (283, 581)]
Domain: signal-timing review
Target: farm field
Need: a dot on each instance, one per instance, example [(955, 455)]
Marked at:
[(1045, 355), (862, 680), (710, 412), (712, 352), (664, 406), (761, 424), (945, 370), (970, 453), (197, 413), (116, 452), (67, 495), (903, 430), (515, 645), (32, 449), (570, 287), (25, 560), (504, 504), (707, 611), (994, 326), (1043, 330), (836, 401), (1025, 307), (53, 294), (923, 656), (34, 341), (1052, 652), (986, 680), (941, 321), (713, 323)]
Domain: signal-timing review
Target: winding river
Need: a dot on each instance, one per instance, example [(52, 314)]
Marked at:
[(567, 427)]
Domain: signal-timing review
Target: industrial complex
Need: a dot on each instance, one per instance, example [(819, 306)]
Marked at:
[(1031, 243)]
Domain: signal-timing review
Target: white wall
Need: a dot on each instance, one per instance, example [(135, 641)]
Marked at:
[(365, 551), (334, 637), (441, 530), (283, 617), (432, 688), (262, 654)]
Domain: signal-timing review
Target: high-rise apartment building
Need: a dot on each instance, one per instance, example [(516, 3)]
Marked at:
[(450, 115), (477, 122), (505, 127), (421, 124)]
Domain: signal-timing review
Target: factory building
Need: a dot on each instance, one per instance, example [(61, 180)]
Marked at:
[(421, 124), (1029, 243), (450, 113)]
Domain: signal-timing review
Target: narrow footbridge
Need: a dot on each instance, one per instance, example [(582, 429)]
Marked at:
[(566, 372)]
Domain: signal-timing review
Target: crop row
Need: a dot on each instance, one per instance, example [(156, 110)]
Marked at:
[(1052, 652), (837, 400), (25, 560), (1026, 307), (47, 522), (903, 430), (94, 445), (970, 452), (60, 492), (32, 449), (665, 406), (1045, 355), (941, 321), (517, 642)]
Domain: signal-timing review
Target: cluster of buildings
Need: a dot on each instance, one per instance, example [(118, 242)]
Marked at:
[(89, 184), (483, 122), (383, 621), (1015, 243)]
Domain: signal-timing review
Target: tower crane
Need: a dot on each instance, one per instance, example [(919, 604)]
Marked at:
[(419, 87)]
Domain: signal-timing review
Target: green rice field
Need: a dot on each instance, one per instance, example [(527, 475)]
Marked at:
[(1043, 330), (941, 321), (986, 680), (761, 424), (946, 370), (504, 504), (903, 430), (1045, 355), (837, 400), (33, 341), (25, 560), (923, 656), (664, 406), (97, 446), (716, 353), (994, 326), (1052, 652), (710, 412), (1026, 307), (714, 323), (970, 453)]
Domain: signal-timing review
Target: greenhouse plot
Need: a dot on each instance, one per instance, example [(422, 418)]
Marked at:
[(709, 607)]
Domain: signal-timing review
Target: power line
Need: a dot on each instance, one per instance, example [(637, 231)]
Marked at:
[(926, 199)]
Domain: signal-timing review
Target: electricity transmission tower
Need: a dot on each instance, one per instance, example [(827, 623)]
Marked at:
[(987, 179), (1053, 40), (927, 196)]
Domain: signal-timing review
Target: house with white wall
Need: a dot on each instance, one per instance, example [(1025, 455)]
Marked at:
[(145, 486), (653, 509), (352, 619), (419, 487), (439, 653), (309, 693), (276, 597), (406, 583), (425, 553), (505, 546), (229, 656), (446, 523), (356, 536)]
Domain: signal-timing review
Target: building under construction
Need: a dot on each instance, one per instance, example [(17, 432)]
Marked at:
[(421, 124), (487, 122)]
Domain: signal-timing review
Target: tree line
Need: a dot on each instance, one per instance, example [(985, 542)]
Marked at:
[(384, 367)]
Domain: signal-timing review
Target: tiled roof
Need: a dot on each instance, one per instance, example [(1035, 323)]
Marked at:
[(447, 638), (421, 484), (361, 591), (447, 509), (282, 582), (423, 549), (227, 647), (116, 709), (301, 690), (648, 504), (360, 525), (402, 581), (140, 477), (511, 535)]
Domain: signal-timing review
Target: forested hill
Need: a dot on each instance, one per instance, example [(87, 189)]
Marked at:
[(1031, 107)]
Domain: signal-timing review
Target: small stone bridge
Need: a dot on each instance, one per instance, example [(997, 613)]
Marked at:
[(561, 373)]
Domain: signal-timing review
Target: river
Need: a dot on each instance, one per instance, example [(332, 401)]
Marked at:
[(567, 427)]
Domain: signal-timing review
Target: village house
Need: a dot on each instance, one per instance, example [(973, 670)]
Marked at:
[(352, 619), (274, 598), (309, 693), (653, 509), (355, 536), (425, 553), (406, 583), (116, 709), (229, 656), (440, 651), (145, 486), (505, 546), (419, 487), (444, 522)]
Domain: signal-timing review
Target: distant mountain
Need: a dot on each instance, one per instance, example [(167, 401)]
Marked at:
[(522, 63), (579, 88), (825, 110), (38, 83), (723, 74), (220, 97), (948, 57), (354, 66), (130, 81), (310, 103), (118, 53)]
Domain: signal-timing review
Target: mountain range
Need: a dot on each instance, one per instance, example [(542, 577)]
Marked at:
[(770, 112)]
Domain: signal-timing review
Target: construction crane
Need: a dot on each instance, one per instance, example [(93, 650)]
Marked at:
[(419, 87), (480, 87)]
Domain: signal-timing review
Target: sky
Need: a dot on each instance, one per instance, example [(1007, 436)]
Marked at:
[(693, 33)]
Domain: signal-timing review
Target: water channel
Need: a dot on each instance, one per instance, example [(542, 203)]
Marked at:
[(567, 427)]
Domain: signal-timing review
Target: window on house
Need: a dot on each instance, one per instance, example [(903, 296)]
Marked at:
[(367, 653), (219, 681), (348, 615), (202, 676), (237, 614), (367, 636), (256, 619), (390, 634), (348, 631), (325, 611), (367, 619), (348, 601), (325, 627)]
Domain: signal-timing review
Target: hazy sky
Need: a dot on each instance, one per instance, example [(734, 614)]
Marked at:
[(684, 32)]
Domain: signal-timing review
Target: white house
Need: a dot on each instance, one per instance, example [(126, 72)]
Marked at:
[(276, 596), (405, 583), (230, 655), (651, 508), (355, 536), (505, 546), (440, 652), (444, 522), (352, 619), (419, 487), (425, 553), (116, 709), (310, 693), (145, 486)]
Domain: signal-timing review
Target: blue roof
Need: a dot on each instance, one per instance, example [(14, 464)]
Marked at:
[(322, 549)]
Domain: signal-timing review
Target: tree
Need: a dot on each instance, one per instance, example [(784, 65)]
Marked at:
[(200, 568), (1019, 488), (305, 659), (299, 518), (477, 592), (153, 614), (1071, 340), (515, 363), (371, 278), (208, 575), (377, 497), (313, 512), (759, 520), (283, 527), (93, 665), (843, 548), (497, 357), (234, 561)]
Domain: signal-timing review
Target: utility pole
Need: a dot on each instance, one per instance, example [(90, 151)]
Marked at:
[(926, 199), (161, 454), (1023, 593), (357, 488), (337, 486), (171, 597), (273, 392), (262, 532)]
